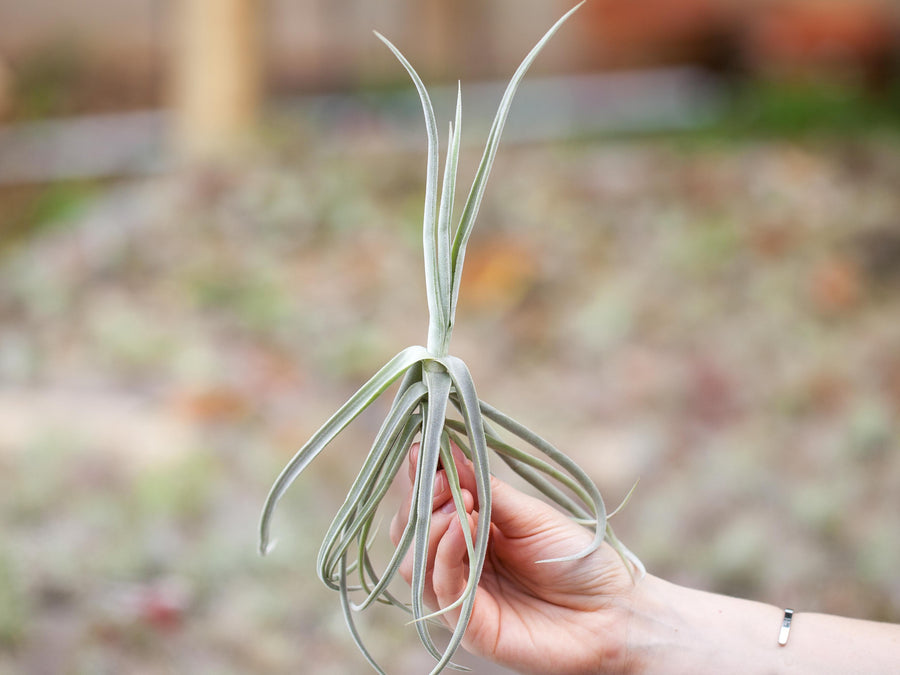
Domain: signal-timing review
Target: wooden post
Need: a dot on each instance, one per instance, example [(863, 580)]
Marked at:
[(217, 78), (6, 89)]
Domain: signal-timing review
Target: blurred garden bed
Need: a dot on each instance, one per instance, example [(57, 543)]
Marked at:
[(718, 319)]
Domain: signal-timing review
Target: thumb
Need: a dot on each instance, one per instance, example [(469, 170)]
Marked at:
[(517, 514), (514, 512)]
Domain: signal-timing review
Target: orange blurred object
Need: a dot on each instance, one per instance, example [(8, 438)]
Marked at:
[(825, 38), (212, 404), (499, 272), (651, 32), (836, 285)]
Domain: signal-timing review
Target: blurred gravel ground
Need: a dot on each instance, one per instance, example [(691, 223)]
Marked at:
[(721, 321)]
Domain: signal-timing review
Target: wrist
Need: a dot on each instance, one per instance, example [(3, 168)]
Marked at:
[(677, 630)]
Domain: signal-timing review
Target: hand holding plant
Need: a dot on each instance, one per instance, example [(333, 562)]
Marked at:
[(432, 384), (569, 617)]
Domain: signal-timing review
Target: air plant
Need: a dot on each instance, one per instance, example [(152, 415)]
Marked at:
[(433, 381)]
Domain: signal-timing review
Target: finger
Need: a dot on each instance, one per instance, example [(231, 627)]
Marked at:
[(442, 499), (514, 513), (401, 518), (511, 510), (465, 469), (451, 567), (443, 511), (398, 522), (441, 518)]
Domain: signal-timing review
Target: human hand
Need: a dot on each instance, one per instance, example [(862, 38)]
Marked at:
[(565, 618), (586, 616)]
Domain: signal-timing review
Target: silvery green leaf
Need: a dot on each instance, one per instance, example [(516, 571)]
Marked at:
[(348, 617), (382, 581), (465, 389), (624, 501), (366, 394), (449, 465), (473, 202), (570, 466), (439, 312), (345, 526), (438, 383), (535, 471), (632, 562), (448, 192)]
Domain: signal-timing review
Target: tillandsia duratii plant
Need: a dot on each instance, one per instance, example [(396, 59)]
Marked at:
[(431, 382)]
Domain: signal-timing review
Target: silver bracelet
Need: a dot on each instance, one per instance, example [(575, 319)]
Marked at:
[(785, 627)]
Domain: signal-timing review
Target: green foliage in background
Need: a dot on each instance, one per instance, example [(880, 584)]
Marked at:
[(766, 107)]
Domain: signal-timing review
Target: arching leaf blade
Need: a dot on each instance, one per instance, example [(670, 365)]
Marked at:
[(348, 617), (344, 526), (469, 406), (473, 202), (445, 215), (364, 396), (438, 383), (438, 312), (536, 441)]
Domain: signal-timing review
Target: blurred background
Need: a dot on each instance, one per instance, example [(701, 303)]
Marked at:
[(687, 271)]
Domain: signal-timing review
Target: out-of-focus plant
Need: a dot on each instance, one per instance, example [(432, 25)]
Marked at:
[(432, 382)]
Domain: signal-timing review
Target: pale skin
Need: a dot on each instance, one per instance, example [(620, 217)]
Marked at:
[(587, 616)]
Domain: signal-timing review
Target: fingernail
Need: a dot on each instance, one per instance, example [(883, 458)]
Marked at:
[(440, 484), (448, 507)]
